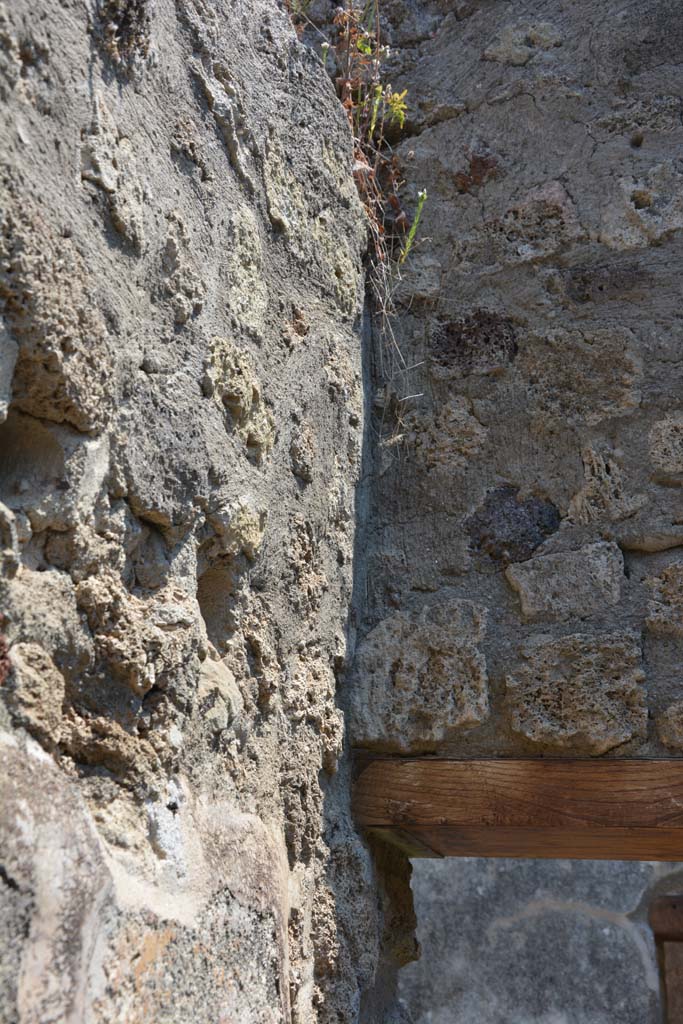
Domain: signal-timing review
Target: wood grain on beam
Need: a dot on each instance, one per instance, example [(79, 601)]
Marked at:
[(590, 809)]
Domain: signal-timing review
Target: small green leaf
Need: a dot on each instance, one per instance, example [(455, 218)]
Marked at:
[(421, 200), (397, 108)]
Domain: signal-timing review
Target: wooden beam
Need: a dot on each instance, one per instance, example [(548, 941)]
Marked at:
[(564, 808), (666, 918)]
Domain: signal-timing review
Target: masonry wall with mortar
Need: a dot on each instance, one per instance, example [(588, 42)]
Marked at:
[(525, 555), (182, 426), (524, 558)]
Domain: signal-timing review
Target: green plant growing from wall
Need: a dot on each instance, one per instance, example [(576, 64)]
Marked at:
[(354, 55), (410, 238)]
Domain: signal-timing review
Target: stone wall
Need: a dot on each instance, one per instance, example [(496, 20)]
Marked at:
[(181, 429), (524, 579), (186, 560), (524, 564)]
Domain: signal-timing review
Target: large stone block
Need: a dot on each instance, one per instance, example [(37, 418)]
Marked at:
[(564, 943), (670, 726), (579, 692), (570, 584), (420, 675), (582, 377)]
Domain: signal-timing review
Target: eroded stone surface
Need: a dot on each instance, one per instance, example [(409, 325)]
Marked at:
[(37, 694), (220, 881), (577, 377), (235, 385), (451, 439), (670, 726), (603, 495), (419, 676), (666, 447), (183, 288), (665, 608), (570, 584), (483, 342), (579, 692), (181, 419), (64, 363)]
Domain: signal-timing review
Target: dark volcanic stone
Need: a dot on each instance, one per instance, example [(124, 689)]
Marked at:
[(508, 529)]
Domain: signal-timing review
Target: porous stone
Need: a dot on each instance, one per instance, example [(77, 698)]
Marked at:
[(580, 691), (181, 287), (245, 269), (570, 584), (665, 607), (483, 342), (124, 28), (420, 675), (235, 385), (539, 224), (188, 357), (646, 207), (583, 377), (37, 692), (666, 448), (64, 363), (517, 44), (181, 279), (546, 297), (603, 495), (449, 439), (670, 726), (108, 165)]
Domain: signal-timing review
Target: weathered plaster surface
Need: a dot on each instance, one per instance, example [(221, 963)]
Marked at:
[(535, 942)]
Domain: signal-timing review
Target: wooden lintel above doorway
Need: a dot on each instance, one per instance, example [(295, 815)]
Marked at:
[(581, 809)]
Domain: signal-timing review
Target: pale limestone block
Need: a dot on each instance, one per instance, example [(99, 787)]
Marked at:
[(569, 584), (420, 675)]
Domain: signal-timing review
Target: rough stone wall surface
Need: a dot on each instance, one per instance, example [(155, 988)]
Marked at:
[(181, 428), (536, 477), (181, 412), (529, 456)]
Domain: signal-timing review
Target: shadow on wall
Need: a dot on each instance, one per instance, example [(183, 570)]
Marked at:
[(536, 942)]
